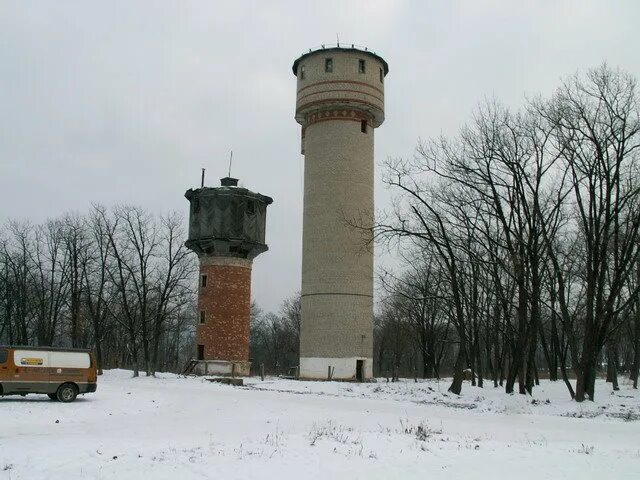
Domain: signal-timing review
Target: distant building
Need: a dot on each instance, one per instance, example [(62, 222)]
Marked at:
[(227, 231), (340, 103)]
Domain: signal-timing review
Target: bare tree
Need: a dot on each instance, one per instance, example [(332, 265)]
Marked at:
[(597, 134), (417, 297), (535, 218), (49, 278), (173, 276), (76, 245)]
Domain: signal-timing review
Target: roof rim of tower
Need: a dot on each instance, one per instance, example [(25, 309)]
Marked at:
[(235, 191), (340, 48)]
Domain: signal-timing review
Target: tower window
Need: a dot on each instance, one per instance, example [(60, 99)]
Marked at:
[(328, 65), (361, 66), (381, 76), (203, 281), (301, 72), (363, 126), (202, 317)]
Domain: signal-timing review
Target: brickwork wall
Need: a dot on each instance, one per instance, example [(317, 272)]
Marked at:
[(226, 303), (337, 268)]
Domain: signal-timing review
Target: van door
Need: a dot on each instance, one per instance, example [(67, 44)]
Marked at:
[(69, 367), (31, 373), (4, 370)]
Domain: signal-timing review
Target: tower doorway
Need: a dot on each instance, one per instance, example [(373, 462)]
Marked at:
[(359, 370), (200, 352)]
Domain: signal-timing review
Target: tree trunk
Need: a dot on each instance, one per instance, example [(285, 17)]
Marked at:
[(612, 366), (635, 365), (555, 346), (585, 383), (134, 353), (563, 371), (547, 356), (458, 372), (99, 356), (512, 371), (145, 347)]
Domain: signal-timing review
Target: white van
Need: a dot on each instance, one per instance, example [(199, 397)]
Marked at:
[(60, 373)]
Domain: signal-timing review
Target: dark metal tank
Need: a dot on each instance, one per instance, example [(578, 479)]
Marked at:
[(227, 220)]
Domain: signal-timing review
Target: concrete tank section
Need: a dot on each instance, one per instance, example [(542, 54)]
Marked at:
[(227, 220), (339, 103)]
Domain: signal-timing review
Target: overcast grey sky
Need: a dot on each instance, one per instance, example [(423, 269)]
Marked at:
[(125, 101)]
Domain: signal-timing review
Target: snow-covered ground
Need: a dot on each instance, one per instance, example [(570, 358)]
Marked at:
[(172, 427)]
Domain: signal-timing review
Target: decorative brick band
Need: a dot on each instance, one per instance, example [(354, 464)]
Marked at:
[(342, 114), (350, 82), (337, 293), (340, 90), (338, 102), (230, 261)]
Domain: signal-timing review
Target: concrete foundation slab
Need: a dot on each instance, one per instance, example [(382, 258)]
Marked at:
[(222, 367), (341, 368)]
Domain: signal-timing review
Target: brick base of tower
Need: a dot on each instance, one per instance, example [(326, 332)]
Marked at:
[(224, 309)]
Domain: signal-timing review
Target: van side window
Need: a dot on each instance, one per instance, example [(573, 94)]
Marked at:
[(3, 355)]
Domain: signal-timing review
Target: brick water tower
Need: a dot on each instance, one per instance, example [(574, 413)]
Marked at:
[(226, 231), (339, 104)]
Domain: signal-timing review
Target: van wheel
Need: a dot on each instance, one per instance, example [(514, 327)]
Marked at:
[(67, 392), (53, 396)]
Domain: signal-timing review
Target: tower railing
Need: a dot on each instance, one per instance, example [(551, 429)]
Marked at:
[(344, 45)]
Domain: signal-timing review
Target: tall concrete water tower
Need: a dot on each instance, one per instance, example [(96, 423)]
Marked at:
[(227, 231), (339, 104)]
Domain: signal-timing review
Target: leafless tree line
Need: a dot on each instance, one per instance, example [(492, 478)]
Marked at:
[(118, 281), (521, 237), (275, 338)]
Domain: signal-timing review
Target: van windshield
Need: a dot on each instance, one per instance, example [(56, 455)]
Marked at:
[(3, 355)]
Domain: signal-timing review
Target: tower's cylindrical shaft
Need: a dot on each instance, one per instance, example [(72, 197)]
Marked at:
[(224, 304), (340, 101), (337, 265)]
